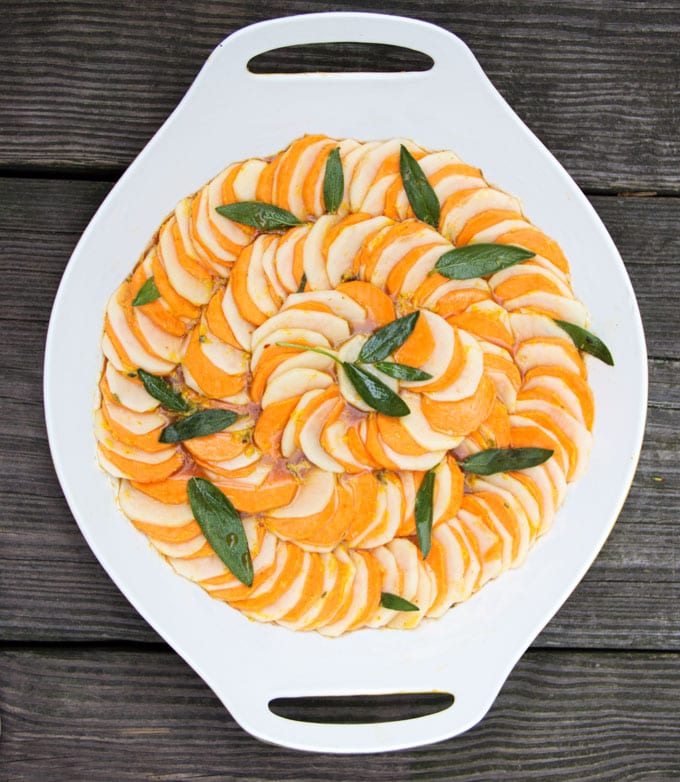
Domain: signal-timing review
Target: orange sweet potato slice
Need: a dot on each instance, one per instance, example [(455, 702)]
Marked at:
[(482, 221), (535, 240), (418, 347), (143, 471), (169, 534), (154, 310), (178, 304), (274, 492), (214, 381), (463, 416), (575, 382), (271, 423), (378, 305), (396, 437), (218, 447), (217, 322)]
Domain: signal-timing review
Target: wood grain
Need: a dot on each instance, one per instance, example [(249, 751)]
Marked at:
[(99, 714), (52, 588), (83, 86)]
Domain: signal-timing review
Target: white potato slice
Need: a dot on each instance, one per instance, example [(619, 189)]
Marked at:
[(312, 497), (131, 395), (140, 507), (294, 382), (240, 327), (342, 305), (189, 287), (138, 355), (480, 201), (134, 422), (342, 251), (391, 584), (335, 329), (309, 439)]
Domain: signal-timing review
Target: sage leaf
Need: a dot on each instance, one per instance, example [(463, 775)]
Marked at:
[(257, 214), (419, 191), (147, 293), (586, 341), (495, 460), (387, 339), (160, 389), (480, 260), (423, 513), (222, 526), (374, 392), (333, 182), (303, 283), (401, 371), (199, 424), (396, 603)]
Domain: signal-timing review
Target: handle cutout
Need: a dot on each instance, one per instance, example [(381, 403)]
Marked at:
[(361, 709), (341, 57)]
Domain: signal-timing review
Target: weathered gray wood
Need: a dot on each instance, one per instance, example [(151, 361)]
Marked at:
[(83, 85), (95, 714), (51, 587)]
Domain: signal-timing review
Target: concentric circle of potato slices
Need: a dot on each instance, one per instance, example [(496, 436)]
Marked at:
[(324, 484)]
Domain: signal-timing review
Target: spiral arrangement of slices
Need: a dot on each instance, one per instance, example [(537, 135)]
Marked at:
[(326, 485)]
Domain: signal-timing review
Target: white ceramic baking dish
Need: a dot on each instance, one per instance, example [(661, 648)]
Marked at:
[(228, 114)]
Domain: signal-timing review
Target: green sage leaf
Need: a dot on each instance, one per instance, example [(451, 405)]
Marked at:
[(160, 389), (421, 195), (586, 341), (257, 214), (495, 460), (387, 339), (423, 513), (147, 293), (199, 424), (480, 260), (303, 283), (374, 392), (396, 603), (401, 371), (333, 182), (222, 526)]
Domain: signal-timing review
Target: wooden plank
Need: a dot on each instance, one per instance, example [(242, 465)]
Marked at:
[(629, 599), (127, 715), (83, 86)]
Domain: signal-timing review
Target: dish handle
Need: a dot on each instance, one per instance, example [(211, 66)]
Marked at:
[(349, 27), (256, 716)]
